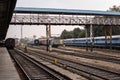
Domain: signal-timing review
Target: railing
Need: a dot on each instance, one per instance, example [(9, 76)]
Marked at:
[(36, 19)]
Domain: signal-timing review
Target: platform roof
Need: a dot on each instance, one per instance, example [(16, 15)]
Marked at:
[(65, 11), (6, 11)]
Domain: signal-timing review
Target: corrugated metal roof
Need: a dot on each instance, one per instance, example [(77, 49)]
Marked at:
[(6, 11), (65, 11)]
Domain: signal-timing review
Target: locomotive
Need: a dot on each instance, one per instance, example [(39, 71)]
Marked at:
[(10, 43), (53, 42), (36, 42)]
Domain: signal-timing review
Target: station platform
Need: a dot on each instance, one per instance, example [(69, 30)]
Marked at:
[(7, 68)]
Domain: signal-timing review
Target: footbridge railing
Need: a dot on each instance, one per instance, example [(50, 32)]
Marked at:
[(44, 19)]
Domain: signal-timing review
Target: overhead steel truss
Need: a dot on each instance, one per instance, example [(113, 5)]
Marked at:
[(58, 19)]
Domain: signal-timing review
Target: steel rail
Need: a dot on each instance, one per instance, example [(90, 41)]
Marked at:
[(53, 75), (91, 71)]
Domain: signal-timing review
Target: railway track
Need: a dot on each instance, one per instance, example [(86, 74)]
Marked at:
[(34, 70), (95, 56), (90, 71), (78, 49), (98, 49)]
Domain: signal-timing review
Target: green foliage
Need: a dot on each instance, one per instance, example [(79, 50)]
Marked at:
[(82, 34), (99, 30), (66, 34), (76, 33), (116, 30), (115, 8)]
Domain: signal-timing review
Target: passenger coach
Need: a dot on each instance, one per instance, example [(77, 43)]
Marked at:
[(98, 41)]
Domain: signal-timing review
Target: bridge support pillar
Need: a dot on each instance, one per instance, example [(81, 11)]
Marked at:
[(50, 45), (86, 35), (48, 35), (21, 41), (110, 37), (91, 38), (105, 31)]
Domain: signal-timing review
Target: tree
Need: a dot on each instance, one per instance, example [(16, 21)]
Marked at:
[(82, 33), (66, 34), (115, 8), (63, 34), (76, 33), (99, 30), (116, 29)]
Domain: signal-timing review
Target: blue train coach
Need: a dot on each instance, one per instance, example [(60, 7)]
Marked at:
[(98, 41)]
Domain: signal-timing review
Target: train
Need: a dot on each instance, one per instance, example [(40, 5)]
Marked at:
[(97, 41), (36, 42), (53, 42), (10, 43), (57, 42)]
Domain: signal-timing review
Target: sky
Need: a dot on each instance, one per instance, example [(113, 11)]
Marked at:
[(14, 31)]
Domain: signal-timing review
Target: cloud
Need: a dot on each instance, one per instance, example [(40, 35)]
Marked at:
[(74, 4)]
